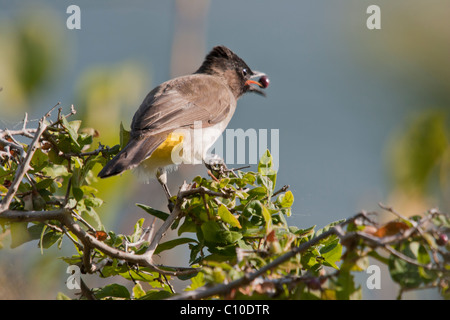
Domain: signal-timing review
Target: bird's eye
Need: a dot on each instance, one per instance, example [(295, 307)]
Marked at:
[(244, 72)]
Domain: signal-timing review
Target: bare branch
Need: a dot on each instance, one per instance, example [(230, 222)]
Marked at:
[(167, 223), (31, 216)]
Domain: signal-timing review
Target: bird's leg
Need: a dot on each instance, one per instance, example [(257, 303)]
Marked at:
[(213, 162), (161, 176), (217, 164)]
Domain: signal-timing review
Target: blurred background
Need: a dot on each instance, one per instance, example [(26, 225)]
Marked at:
[(362, 114)]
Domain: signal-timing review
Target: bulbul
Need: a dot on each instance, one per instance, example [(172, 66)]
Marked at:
[(180, 119)]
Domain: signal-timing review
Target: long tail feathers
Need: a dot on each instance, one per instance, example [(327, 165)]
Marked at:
[(136, 151)]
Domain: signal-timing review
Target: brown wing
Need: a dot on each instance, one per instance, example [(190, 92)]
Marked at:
[(180, 102)]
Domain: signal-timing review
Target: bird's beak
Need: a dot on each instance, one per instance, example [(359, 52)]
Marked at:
[(257, 75)]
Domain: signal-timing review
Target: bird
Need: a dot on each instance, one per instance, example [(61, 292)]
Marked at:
[(180, 119)]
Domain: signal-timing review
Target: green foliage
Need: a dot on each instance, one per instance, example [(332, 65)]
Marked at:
[(234, 229), (60, 176)]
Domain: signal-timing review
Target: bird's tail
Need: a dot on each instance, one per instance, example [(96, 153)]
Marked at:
[(137, 150)]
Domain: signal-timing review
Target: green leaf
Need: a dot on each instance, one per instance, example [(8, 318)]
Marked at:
[(159, 214), (303, 232), (137, 231), (35, 230), (112, 290), (71, 260), (267, 218), (138, 292), (212, 232), (228, 217), (287, 200), (328, 227), (39, 160), (143, 274), (72, 130), (156, 295), (93, 202), (124, 136), (249, 178), (187, 226), (19, 234), (75, 125), (308, 260), (402, 272), (268, 175), (62, 296), (89, 214), (55, 171), (44, 184), (77, 193), (424, 258), (346, 288), (258, 193), (197, 282), (258, 215), (332, 253), (54, 157), (49, 238), (172, 244)]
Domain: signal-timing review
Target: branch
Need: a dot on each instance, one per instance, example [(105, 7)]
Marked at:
[(31, 216)]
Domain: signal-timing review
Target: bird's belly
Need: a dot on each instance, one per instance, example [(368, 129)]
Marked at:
[(183, 146), (196, 143)]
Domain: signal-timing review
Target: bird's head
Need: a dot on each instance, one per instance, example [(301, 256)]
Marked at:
[(224, 63)]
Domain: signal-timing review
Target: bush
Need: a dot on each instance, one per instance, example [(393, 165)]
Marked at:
[(234, 222)]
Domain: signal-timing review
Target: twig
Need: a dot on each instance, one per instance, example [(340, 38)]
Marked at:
[(408, 259), (283, 189), (167, 223), (50, 111), (8, 144), (87, 260), (15, 143), (168, 284), (72, 111), (25, 120), (151, 230), (141, 240), (85, 291), (82, 220), (31, 216), (394, 212)]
